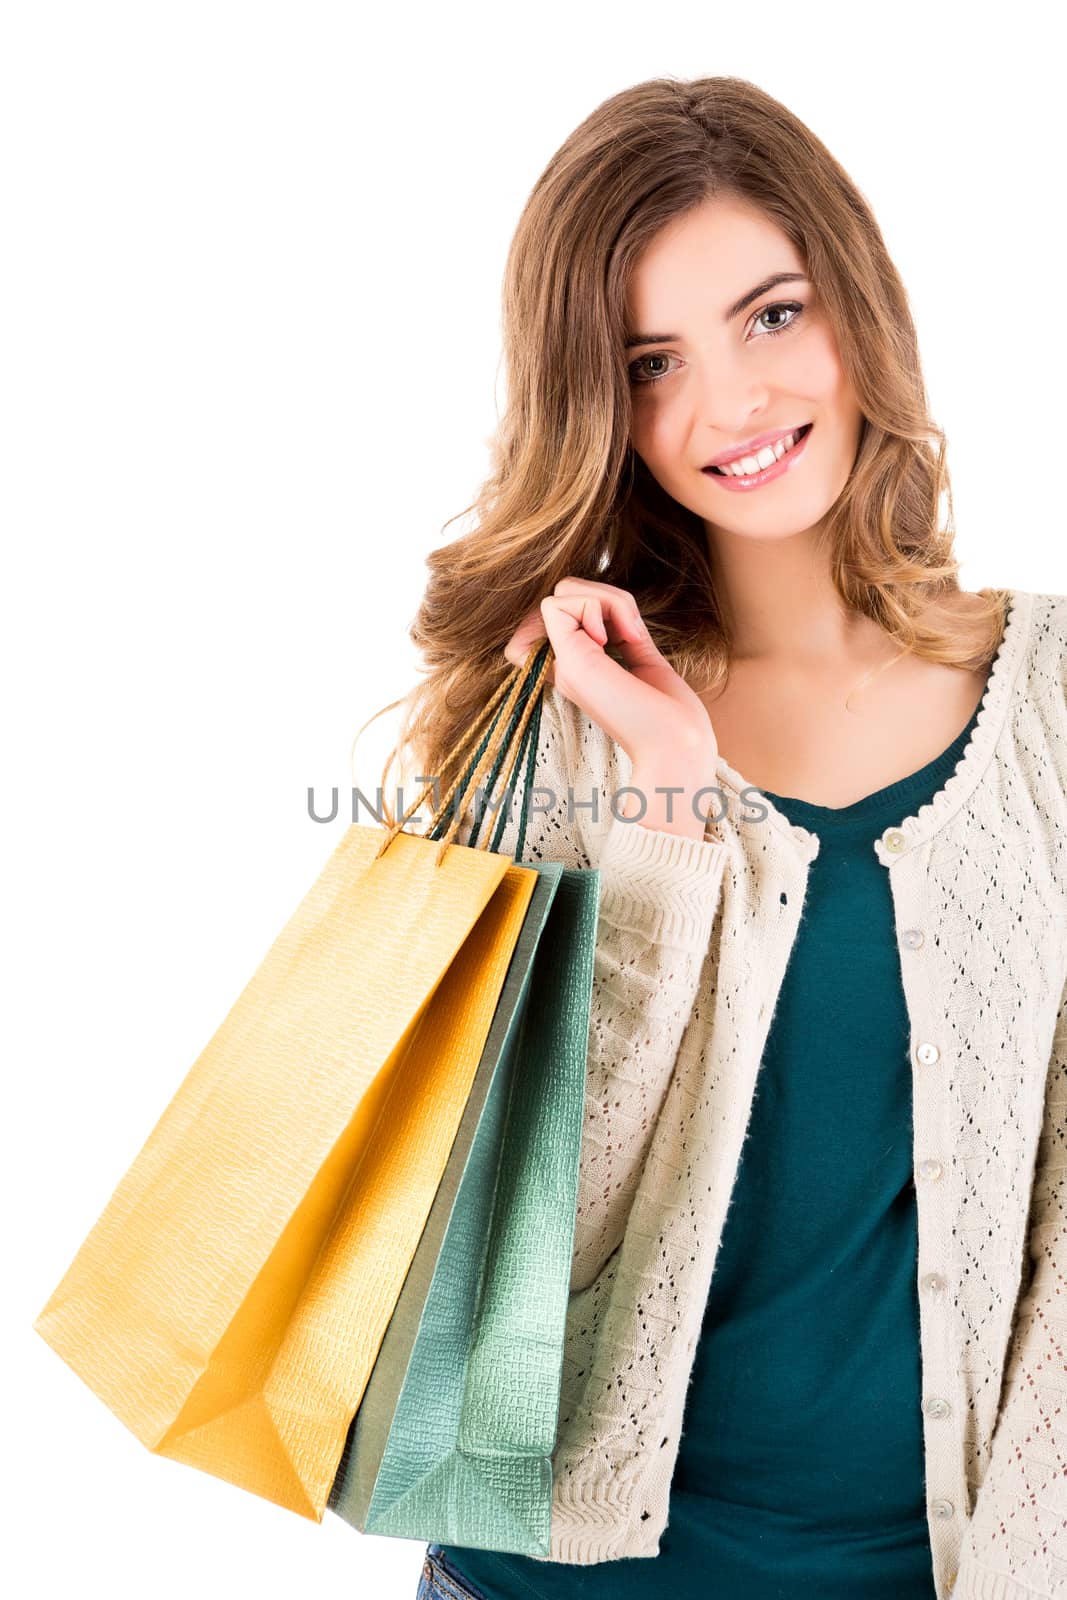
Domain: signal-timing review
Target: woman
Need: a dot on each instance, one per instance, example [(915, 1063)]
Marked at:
[(817, 1306)]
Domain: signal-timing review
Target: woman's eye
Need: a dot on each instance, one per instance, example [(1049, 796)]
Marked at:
[(792, 306), (642, 376), (654, 377)]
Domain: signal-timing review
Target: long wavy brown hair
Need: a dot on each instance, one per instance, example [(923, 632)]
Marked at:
[(568, 497)]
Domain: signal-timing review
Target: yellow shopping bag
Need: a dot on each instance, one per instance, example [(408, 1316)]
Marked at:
[(229, 1303)]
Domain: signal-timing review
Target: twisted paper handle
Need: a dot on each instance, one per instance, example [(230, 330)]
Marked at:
[(512, 687)]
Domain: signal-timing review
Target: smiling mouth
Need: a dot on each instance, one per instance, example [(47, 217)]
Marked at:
[(728, 472)]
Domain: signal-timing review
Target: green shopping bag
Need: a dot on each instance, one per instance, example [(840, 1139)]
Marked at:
[(454, 1435)]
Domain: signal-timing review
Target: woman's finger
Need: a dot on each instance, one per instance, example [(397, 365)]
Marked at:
[(529, 632)]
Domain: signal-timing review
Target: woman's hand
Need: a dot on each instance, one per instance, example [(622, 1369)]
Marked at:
[(642, 703)]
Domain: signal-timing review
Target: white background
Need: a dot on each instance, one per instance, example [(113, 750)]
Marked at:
[(250, 312)]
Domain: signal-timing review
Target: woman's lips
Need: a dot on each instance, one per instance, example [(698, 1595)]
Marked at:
[(727, 480)]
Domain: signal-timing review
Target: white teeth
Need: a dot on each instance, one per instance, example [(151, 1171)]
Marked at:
[(748, 465)]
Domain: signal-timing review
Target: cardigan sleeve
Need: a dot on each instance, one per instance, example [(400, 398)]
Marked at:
[(1018, 1530), (658, 896)]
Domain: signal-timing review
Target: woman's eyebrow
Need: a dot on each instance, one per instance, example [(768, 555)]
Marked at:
[(633, 339)]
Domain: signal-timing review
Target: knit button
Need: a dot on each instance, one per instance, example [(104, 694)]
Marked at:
[(927, 1054), (936, 1407), (943, 1509), (930, 1169), (893, 839), (911, 938), (933, 1282)]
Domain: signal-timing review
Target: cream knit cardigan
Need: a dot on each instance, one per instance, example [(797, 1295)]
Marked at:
[(693, 941)]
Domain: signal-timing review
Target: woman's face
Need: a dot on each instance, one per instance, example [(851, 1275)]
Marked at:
[(720, 377)]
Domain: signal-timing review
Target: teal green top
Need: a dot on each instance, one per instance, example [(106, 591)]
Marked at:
[(811, 1327)]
